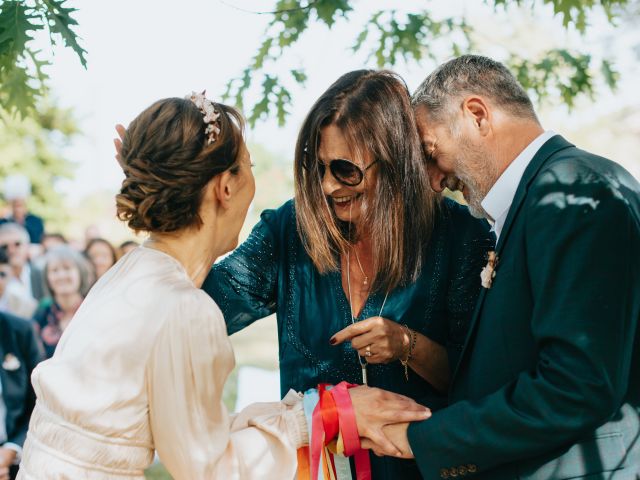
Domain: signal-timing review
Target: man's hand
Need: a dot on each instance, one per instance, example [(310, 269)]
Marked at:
[(375, 409), (397, 434)]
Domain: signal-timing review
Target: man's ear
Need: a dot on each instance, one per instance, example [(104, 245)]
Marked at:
[(476, 108)]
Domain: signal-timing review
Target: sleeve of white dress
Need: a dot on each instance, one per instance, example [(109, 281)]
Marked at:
[(194, 435)]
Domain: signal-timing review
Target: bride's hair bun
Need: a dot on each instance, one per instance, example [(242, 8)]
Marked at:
[(167, 161)]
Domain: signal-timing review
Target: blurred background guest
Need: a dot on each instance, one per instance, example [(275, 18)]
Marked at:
[(126, 247), (14, 239), (17, 190), (20, 352), (101, 254), (13, 298), (51, 240), (68, 278)]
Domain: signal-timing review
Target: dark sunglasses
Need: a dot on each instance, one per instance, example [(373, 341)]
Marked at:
[(14, 244), (344, 171), (3, 274)]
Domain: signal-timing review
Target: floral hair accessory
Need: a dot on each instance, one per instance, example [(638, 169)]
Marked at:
[(209, 113), (489, 271)]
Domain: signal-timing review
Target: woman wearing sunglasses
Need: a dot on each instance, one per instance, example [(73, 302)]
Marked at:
[(372, 276)]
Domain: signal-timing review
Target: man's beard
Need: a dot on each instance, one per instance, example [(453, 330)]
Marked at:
[(477, 171)]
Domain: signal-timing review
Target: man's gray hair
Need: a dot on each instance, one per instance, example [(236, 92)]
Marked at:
[(12, 227), (468, 75)]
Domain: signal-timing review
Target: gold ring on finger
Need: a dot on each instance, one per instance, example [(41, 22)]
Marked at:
[(367, 352)]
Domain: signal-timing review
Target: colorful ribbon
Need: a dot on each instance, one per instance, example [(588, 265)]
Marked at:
[(333, 415)]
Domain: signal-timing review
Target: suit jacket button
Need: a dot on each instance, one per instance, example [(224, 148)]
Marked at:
[(462, 470), (472, 468), (453, 472), (444, 473)]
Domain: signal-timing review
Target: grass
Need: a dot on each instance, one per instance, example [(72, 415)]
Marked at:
[(256, 345)]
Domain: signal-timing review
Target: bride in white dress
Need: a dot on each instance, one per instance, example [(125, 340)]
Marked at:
[(143, 363)]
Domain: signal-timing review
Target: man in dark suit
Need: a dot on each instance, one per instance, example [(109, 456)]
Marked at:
[(20, 352), (548, 385)]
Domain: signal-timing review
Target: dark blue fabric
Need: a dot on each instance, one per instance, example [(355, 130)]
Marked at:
[(272, 273)]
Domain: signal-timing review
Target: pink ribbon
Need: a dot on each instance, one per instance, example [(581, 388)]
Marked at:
[(348, 431)]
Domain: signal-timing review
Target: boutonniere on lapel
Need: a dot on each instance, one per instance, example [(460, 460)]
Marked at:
[(488, 273), (10, 362)]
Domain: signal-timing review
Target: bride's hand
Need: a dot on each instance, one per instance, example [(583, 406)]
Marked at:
[(118, 143), (375, 408)]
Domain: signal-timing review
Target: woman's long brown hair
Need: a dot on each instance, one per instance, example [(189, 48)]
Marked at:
[(372, 110)]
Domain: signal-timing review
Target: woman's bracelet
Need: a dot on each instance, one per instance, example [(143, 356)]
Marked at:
[(412, 343)]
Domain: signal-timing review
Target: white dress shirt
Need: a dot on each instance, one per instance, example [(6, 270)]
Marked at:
[(25, 278), (3, 418), (499, 199)]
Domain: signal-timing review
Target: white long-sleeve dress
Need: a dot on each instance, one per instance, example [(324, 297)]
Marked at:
[(141, 367)]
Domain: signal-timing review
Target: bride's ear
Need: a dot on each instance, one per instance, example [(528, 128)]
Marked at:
[(224, 188)]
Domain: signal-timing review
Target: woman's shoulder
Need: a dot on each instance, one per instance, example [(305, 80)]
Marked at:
[(190, 309), (44, 307), (277, 224), (457, 220), (281, 215)]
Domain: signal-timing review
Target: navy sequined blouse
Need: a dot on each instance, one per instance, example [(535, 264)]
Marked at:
[(271, 272)]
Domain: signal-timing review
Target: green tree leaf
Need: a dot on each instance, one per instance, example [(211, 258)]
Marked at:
[(60, 22), (23, 80), (390, 36)]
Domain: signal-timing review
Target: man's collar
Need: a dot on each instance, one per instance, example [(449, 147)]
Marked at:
[(498, 201)]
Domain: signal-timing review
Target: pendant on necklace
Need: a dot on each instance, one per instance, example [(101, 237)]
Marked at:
[(364, 374), (366, 281)]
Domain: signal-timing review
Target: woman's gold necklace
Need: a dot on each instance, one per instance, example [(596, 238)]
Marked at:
[(366, 278), (363, 363)]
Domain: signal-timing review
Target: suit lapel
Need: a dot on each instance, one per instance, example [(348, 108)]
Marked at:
[(4, 349), (550, 147)]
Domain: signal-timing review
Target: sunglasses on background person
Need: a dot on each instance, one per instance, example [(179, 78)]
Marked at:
[(4, 246), (344, 171)]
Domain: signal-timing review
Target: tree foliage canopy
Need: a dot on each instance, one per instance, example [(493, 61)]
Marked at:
[(390, 35), (23, 79), (387, 37)]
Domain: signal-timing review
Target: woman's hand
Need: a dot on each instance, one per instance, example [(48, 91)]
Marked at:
[(376, 339), (375, 409), (118, 143), (396, 434)]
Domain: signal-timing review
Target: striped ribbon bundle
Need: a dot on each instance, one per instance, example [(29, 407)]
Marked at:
[(333, 436)]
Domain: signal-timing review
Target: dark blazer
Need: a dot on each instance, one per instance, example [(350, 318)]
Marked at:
[(17, 339), (32, 224), (548, 386)]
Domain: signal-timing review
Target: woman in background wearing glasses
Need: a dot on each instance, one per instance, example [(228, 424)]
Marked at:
[(373, 276)]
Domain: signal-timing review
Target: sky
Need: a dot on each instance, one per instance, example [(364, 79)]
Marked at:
[(143, 50)]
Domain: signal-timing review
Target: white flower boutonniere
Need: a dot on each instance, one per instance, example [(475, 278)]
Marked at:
[(488, 273), (11, 362)]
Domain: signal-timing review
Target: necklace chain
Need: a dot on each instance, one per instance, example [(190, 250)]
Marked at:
[(366, 278), (363, 363)]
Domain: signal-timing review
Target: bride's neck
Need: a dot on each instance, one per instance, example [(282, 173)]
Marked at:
[(195, 249)]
